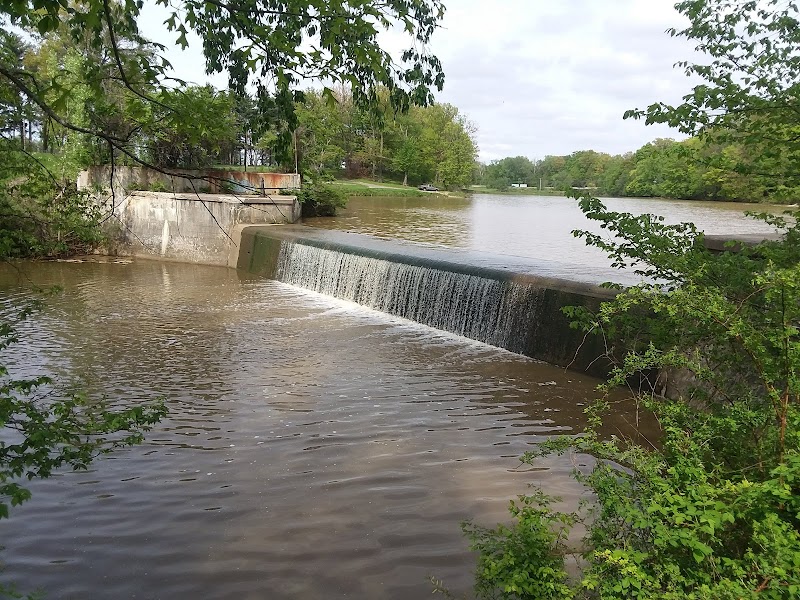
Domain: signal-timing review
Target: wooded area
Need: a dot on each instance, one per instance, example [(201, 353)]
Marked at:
[(699, 168)]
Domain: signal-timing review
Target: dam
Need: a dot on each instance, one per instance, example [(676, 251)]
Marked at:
[(471, 295)]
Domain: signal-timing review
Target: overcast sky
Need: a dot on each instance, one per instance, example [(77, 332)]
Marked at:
[(542, 77)]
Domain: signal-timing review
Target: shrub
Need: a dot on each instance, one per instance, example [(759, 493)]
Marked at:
[(320, 200), (42, 214), (712, 508)]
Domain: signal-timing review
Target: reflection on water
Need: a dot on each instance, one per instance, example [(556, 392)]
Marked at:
[(535, 227), (314, 449), (434, 220)]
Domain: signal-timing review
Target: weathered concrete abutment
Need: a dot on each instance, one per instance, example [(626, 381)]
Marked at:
[(203, 181), (196, 228), (440, 288), (183, 224)]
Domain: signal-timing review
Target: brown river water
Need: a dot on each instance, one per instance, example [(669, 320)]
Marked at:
[(314, 448)]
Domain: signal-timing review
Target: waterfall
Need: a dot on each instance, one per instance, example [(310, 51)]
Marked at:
[(495, 311), (490, 303)]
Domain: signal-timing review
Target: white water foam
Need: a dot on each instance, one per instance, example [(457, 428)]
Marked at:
[(492, 311)]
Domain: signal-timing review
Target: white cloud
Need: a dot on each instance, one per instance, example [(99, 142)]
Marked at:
[(543, 78), (537, 77)]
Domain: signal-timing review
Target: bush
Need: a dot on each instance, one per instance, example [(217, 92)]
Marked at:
[(526, 559), (41, 213), (712, 508), (318, 199)]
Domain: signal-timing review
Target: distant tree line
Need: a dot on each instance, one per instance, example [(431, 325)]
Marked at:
[(706, 168)]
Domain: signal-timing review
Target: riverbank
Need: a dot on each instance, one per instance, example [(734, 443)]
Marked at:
[(480, 189)]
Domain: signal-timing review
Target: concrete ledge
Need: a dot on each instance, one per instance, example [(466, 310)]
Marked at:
[(734, 243), (123, 179)]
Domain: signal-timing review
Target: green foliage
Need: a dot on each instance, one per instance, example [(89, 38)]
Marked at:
[(447, 146), (748, 88), (95, 77), (353, 189), (426, 144), (501, 174), (711, 167), (194, 143), (318, 199), (526, 559), (712, 508), (41, 212)]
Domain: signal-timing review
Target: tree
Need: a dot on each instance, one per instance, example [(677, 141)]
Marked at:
[(549, 169), (272, 43), (500, 174), (666, 168), (196, 144), (616, 175), (320, 133), (15, 110), (584, 168), (750, 85), (407, 156), (447, 146)]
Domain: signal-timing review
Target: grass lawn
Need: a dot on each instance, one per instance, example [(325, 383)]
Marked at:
[(366, 187), (359, 189)]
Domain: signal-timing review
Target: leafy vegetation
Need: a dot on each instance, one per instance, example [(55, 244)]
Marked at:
[(744, 144), (746, 103), (710, 167), (710, 509), (44, 429), (356, 189), (742, 117), (87, 82), (319, 199), (42, 214)]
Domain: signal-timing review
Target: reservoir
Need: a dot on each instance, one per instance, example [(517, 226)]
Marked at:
[(535, 230)]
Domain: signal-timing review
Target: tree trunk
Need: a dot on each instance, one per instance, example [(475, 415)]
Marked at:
[(405, 178), (380, 158)]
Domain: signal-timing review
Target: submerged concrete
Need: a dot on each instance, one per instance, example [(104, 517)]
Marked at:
[(197, 228), (734, 243)]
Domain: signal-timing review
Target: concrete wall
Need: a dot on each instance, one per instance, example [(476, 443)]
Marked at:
[(197, 228)]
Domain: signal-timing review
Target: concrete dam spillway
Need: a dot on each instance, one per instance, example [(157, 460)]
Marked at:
[(470, 295)]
